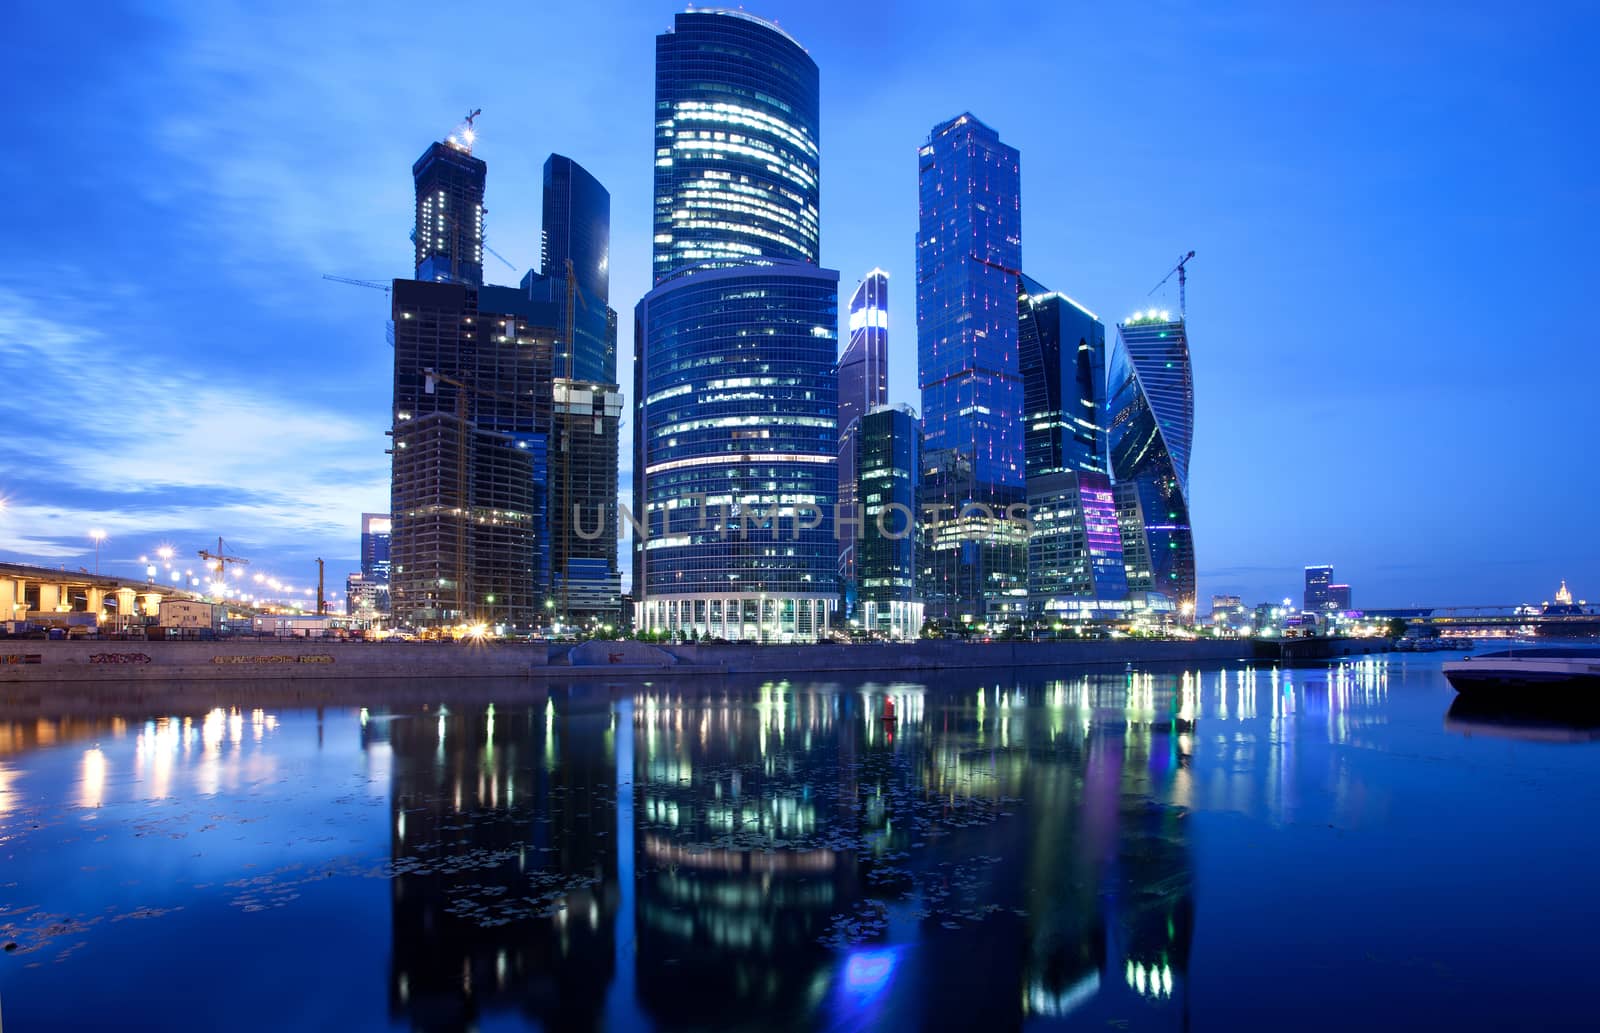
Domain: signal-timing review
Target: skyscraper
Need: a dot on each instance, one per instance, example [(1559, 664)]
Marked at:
[(448, 233), (1151, 408), (1319, 581), (736, 453), (863, 385), (471, 431), (969, 253), (888, 444), (375, 546), (736, 349), (737, 168), (1075, 561), (577, 228)]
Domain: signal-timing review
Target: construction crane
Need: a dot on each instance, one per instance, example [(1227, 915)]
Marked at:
[(502, 258), (1179, 269), (465, 134), (377, 285), (222, 559)]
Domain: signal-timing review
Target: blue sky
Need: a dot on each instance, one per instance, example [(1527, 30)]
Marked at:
[(1394, 209)]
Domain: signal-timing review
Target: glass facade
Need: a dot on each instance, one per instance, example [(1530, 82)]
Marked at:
[(863, 385), (1151, 411), (577, 228), (375, 546), (969, 254), (888, 449), (448, 233), (1319, 584), (737, 172), (1075, 560), (736, 452)]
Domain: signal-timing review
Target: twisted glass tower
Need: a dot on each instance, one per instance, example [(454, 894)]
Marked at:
[(1151, 411), (736, 162), (736, 445), (863, 386)]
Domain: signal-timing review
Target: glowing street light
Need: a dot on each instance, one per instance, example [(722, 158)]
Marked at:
[(99, 536)]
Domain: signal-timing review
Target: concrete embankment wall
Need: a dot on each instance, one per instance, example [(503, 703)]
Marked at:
[(24, 661)]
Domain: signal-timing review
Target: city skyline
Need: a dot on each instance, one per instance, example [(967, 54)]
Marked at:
[(266, 425)]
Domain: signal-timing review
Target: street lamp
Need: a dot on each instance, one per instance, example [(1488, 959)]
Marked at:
[(98, 536)]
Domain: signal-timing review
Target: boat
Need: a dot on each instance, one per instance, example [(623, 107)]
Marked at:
[(1557, 675)]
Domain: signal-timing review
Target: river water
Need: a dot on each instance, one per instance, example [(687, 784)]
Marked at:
[(1216, 848)]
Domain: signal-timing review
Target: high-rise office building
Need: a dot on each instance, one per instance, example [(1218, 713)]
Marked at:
[(1151, 409), (375, 546), (1339, 597), (863, 386), (1318, 580), (887, 445), (1075, 561), (448, 233), (586, 583), (736, 348), (577, 229), (736, 453), (737, 168), (969, 254), (472, 422)]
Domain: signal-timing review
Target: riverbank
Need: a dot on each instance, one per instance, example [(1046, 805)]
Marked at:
[(35, 663)]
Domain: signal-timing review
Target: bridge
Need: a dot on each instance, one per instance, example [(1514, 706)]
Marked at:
[(43, 593), (1558, 621)]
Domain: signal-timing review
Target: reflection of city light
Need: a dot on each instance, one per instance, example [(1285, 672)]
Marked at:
[(866, 973), (94, 778)]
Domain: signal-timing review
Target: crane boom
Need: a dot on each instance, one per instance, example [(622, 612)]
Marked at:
[(377, 285), (1179, 269)]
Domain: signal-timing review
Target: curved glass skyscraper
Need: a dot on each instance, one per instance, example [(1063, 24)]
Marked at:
[(736, 163), (1151, 412), (736, 349), (736, 452)]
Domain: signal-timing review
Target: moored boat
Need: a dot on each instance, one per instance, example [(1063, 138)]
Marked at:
[(1555, 674)]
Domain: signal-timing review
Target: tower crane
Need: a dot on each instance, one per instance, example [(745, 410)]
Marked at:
[(1179, 269), (377, 285), (222, 559), (502, 258)]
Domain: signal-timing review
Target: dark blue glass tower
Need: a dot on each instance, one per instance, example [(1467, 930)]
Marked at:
[(1075, 561), (1151, 411), (969, 253), (736, 130), (577, 228)]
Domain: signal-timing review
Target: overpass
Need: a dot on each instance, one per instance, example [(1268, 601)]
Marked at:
[(35, 593), (1559, 621)]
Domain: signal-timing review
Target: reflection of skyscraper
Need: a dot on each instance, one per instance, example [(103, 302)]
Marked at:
[(505, 871), (969, 251), (1151, 406), (1075, 562), (863, 385), (448, 234), (737, 161)]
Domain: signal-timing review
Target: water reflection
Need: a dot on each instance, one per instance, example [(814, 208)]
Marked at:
[(956, 851)]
